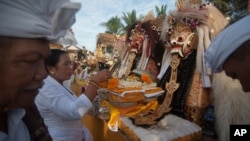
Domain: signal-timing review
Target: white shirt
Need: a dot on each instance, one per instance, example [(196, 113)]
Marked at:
[(62, 111), (17, 130)]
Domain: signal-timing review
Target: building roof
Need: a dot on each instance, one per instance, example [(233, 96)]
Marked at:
[(73, 48)]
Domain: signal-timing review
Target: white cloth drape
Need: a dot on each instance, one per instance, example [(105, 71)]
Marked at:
[(36, 18)]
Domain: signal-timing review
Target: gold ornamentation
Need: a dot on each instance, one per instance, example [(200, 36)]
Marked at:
[(156, 24), (181, 4), (137, 37), (195, 114), (182, 39), (181, 28), (171, 87)]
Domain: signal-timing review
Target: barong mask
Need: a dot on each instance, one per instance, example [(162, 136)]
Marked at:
[(182, 39), (149, 28), (143, 47), (136, 38), (191, 27)]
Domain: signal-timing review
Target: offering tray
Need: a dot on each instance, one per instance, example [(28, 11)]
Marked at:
[(128, 98)]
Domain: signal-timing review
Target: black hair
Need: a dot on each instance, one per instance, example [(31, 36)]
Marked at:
[(53, 58)]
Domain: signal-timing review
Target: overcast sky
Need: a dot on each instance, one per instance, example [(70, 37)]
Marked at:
[(95, 12)]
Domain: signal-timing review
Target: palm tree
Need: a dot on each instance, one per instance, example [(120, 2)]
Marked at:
[(113, 25), (129, 19), (161, 11), (238, 9), (232, 8), (222, 5)]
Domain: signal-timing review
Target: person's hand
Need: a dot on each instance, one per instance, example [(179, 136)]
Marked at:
[(101, 76)]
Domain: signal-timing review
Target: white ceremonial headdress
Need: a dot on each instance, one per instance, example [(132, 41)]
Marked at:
[(36, 18), (226, 42)]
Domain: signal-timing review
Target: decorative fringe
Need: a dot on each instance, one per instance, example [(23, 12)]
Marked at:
[(165, 64), (144, 58), (207, 40), (200, 49)]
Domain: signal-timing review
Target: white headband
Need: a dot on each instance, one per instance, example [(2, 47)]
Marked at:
[(226, 42), (36, 18)]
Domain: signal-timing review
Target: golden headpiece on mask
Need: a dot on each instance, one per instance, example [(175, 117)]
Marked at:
[(181, 4), (182, 28), (156, 24), (137, 36)]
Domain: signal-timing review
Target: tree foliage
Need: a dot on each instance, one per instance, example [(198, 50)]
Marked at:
[(129, 19), (113, 25), (234, 9), (161, 11), (116, 25)]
